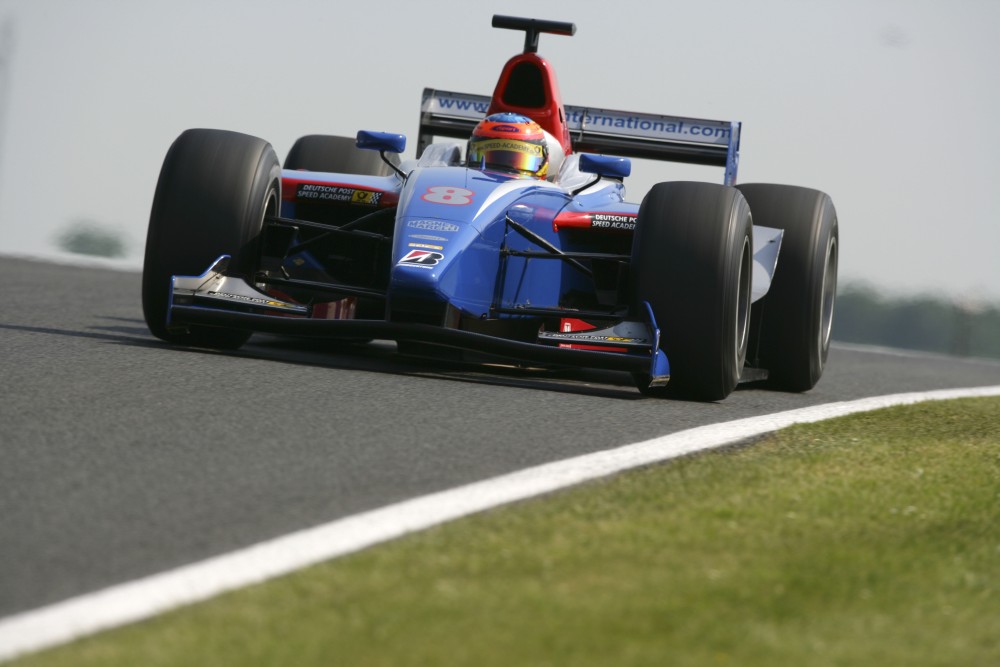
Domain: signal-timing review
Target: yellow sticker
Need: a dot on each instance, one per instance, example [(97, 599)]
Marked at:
[(362, 197)]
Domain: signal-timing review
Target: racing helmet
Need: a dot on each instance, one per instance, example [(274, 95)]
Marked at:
[(509, 142)]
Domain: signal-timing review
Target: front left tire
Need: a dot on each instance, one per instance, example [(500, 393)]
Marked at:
[(692, 255), (340, 155)]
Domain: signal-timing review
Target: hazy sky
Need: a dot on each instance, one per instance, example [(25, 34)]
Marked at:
[(892, 107)]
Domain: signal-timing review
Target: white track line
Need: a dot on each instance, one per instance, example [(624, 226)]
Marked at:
[(125, 603)]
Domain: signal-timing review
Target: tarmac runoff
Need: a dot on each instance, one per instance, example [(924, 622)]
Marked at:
[(133, 601)]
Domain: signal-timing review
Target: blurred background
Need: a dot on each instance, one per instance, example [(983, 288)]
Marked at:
[(890, 106)]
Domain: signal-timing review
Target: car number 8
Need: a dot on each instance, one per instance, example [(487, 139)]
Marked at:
[(442, 194)]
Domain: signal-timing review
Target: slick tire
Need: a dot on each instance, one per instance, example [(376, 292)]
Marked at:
[(692, 256), (790, 327), (320, 152), (214, 190)]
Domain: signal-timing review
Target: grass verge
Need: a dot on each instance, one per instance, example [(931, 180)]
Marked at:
[(872, 539)]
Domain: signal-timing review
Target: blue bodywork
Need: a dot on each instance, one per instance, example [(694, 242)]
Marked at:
[(450, 254), (468, 273)]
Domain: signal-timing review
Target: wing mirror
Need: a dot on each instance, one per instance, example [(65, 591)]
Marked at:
[(607, 166), (382, 142), (603, 166)]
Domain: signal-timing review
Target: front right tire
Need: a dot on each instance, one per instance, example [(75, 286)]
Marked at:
[(214, 191)]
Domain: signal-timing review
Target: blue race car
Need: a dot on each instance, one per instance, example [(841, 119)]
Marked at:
[(515, 241)]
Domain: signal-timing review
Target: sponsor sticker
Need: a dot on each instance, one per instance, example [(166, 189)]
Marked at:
[(613, 221), (338, 193), (424, 259), (432, 225), (366, 197), (425, 245), (507, 145), (594, 338), (617, 123), (250, 299)]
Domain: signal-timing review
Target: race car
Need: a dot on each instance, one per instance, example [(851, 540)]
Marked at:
[(508, 236)]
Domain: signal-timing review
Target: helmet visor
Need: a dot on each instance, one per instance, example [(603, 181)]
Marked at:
[(521, 156)]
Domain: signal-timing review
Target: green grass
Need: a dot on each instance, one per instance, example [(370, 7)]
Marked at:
[(868, 540)]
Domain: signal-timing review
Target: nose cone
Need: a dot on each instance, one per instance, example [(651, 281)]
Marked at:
[(439, 261)]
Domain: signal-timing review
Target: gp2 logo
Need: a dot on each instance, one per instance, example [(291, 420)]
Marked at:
[(443, 194)]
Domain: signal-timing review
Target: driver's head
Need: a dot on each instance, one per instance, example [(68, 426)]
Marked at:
[(509, 142)]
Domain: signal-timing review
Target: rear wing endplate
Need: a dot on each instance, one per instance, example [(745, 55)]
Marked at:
[(592, 130)]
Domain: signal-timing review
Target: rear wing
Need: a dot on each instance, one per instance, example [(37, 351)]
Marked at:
[(592, 130)]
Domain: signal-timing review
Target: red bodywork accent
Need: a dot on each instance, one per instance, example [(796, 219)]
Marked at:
[(549, 114), (571, 219), (585, 220)]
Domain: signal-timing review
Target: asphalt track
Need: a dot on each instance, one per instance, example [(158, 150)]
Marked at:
[(122, 457)]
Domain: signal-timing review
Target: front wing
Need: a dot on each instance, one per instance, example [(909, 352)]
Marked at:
[(215, 299)]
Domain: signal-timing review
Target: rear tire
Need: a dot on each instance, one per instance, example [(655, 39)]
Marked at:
[(215, 189), (340, 155), (692, 256), (791, 325)]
